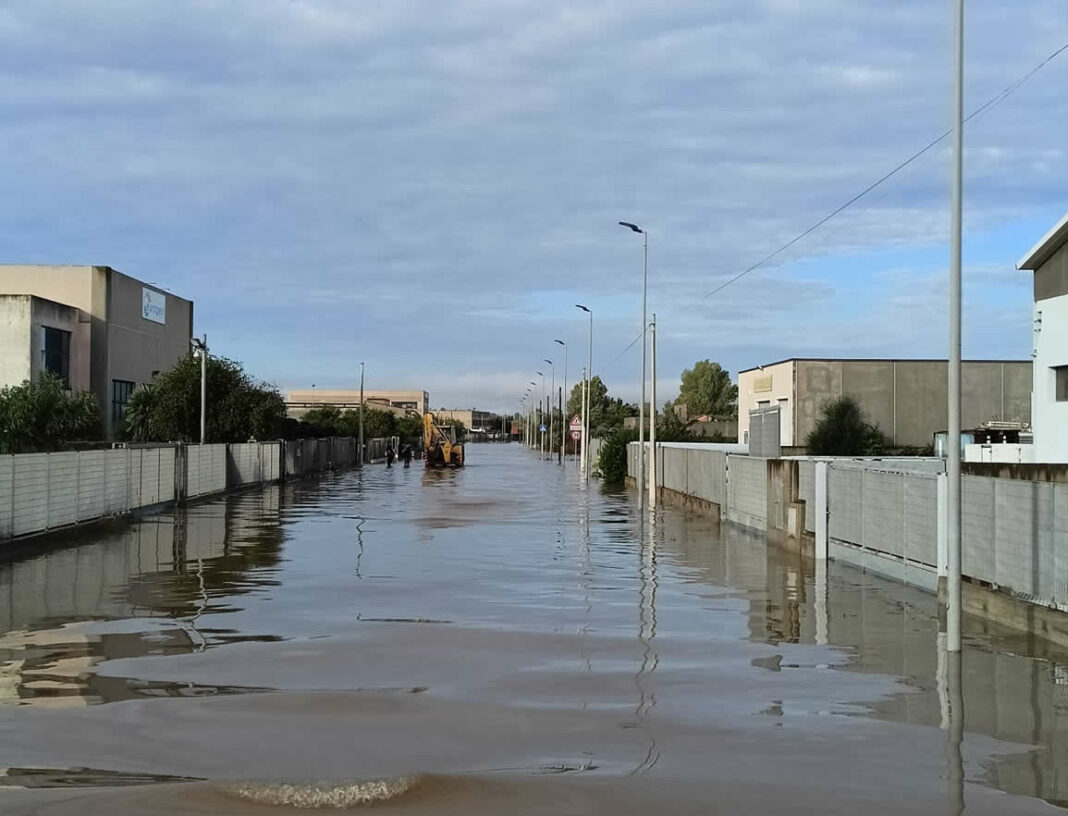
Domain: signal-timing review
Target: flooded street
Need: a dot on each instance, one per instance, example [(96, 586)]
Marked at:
[(492, 640)]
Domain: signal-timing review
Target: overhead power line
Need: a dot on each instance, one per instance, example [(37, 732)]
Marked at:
[(990, 103)]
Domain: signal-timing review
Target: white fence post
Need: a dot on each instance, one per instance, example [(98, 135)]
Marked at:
[(942, 513), (821, 511)]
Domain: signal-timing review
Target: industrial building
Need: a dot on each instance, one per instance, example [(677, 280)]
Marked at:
[(402, 403), (1049, 262), (907, 399), (474, 420), (93, 327)]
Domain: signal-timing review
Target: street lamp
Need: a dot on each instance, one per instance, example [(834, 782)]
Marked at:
[(200, 350), (641, 405), (359, 444), (585, 460), (541, 433), (549, 405), (533, 414), (563, 405)]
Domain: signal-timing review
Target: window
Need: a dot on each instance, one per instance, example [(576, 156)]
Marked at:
[(56, 353), (1061, 373), (120, 398)]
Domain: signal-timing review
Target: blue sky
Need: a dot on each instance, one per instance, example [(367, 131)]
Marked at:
[(429, 186)]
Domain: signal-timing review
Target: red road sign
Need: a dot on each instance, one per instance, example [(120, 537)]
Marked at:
[(576, 427)]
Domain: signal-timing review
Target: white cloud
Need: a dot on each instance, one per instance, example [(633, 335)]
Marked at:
[(461, 167)]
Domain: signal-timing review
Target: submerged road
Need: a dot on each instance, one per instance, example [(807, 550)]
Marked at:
[(493, 640)]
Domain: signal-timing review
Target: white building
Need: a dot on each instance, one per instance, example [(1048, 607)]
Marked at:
[(1049, 396)]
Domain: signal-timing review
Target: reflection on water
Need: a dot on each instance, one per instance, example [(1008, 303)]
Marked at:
[(1010, 687), (172, 569)]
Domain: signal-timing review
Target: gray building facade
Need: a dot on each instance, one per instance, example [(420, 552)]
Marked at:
[(907, 399), (135, 330)]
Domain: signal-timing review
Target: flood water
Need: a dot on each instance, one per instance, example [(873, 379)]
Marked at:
[(493, 640)]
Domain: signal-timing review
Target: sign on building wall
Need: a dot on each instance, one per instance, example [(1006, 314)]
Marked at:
[(153, 305)]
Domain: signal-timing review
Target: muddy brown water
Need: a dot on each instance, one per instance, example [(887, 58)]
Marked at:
[(493, 640)]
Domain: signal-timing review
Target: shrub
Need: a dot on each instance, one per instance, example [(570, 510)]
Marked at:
[(42, 416), (613, 459), (842, 430)]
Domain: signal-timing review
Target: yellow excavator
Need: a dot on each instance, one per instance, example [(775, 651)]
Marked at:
[(439, 444)]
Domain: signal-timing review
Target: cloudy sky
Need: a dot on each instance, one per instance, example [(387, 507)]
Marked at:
[(430, 185)]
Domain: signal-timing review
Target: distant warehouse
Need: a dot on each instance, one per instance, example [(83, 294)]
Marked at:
[(95, 328), (907, 399)]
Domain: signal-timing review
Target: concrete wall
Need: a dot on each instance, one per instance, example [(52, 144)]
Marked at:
[(907, 399), (747, 491), (44, 491), (1051, 350), (1011, 530), (773, 385), (205, 470), (253, 463), (15, 332)]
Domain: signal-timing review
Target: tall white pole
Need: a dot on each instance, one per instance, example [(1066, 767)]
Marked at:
[(563, 409), (203, 389), (641, 404), (582, 410), (589, 396), (652, 415), (552, 399), (953, 528), (359, 446), (541, 409)]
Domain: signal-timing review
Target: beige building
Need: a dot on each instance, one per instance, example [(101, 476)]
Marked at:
[(96, 328), (402, 403), (907, 399), (473, 420)]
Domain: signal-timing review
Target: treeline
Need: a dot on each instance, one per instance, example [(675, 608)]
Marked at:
[(331, 421)]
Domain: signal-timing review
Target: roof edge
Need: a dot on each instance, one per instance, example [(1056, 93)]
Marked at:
[(874, 360), (1050, 243)]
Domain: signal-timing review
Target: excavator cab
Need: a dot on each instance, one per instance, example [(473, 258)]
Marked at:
[(439, 444)]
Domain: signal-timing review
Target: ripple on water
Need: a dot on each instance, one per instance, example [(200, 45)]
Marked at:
[(323, 794)]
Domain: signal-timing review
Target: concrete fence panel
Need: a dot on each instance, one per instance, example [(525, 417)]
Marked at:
[(62, 489), (205, 470), (747, 490), (844, 502), (91, 488), (806, 491), (978, 558), (30, 493), (673, 471), (699, 473), (921, 519), (883, 512)]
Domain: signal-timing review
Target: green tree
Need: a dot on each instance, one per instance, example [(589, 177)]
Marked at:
[(843, 430), (409, 427), (238, 408), (612, 461), (43, 416), (707, 389), (669, 428), (606, 413)]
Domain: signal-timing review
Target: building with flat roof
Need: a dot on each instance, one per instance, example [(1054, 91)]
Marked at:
[(1048, 259), (299, 402), (94, 327), (474, 420), (907, 399)]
